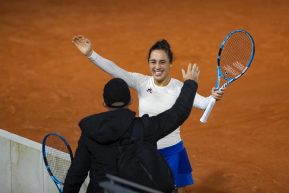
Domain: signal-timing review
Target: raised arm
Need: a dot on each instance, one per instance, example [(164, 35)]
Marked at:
[(84, 45)]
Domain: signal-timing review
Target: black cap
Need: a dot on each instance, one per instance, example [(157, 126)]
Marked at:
[(116, 90)]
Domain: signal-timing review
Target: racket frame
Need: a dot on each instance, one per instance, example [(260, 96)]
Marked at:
[(58, 183)]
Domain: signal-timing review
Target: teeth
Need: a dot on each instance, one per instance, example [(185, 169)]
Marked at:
[(158, 73)]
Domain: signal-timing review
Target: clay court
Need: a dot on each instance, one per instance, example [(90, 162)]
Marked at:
[(48, 85)]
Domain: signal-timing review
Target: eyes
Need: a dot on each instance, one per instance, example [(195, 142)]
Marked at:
[(153, 61)]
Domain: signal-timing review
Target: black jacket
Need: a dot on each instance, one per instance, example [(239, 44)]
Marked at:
[(97, 149)]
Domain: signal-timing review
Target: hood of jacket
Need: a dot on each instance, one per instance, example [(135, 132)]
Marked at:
[(107, 127)]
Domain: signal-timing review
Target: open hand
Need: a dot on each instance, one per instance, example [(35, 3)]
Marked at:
[(192, 73), (83, 44)]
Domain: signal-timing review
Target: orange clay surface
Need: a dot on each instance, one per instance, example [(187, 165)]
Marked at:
[(48, 85)]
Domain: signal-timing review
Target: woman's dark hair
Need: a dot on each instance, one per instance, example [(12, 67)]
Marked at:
[(162, 45)]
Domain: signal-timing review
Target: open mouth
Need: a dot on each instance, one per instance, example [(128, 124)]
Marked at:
[(158, 73)]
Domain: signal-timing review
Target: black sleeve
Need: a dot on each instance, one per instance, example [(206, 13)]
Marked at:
[(79, 168), (169, 120)]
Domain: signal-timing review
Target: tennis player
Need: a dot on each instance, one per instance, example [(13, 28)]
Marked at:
[(156, 93)]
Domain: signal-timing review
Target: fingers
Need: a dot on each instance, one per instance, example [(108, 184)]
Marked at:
[(183, 73), (76, 40), (192, 72), (189, 69), (83, 44), (196, 72), (217, 97), (218, 91), (80, 39), (195, 68), (213, 90), (217, 94)]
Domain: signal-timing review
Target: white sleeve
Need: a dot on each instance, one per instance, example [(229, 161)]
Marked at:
[(201, 102), (132, 79)]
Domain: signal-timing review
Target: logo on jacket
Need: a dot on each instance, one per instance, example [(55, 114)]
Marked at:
[(150, 90)]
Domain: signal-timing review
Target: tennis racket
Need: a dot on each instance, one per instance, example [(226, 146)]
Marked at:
[(57, 156), (235, 56)]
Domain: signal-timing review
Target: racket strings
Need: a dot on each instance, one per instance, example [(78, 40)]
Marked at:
[(58, 157), (235, 55)]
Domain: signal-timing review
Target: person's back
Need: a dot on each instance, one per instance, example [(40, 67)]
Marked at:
[(98, 148)]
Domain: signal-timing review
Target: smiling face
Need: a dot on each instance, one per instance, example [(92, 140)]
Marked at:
[(160, 66)]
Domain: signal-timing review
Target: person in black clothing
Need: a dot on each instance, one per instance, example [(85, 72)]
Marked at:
[(97, 150)]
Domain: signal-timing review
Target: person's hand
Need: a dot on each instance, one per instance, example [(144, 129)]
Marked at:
[(192, 73), (217, 94), (83, 44)]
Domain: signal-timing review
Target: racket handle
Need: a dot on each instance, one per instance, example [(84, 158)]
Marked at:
[(208, 110)]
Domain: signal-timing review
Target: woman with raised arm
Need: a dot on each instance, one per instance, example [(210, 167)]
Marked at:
[(156, 93)]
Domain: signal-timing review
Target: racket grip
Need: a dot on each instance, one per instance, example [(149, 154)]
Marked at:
[(208, 110)]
